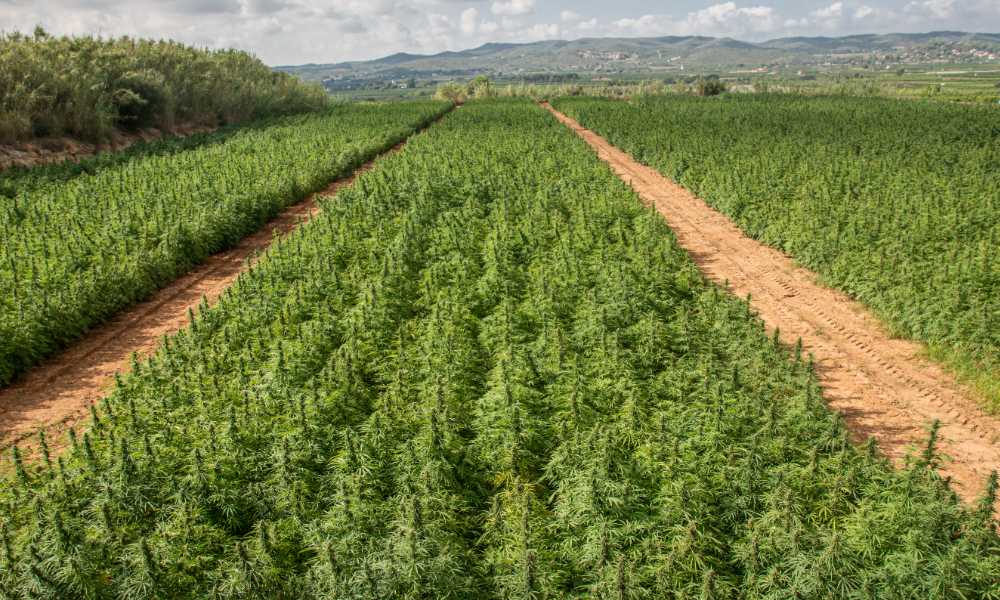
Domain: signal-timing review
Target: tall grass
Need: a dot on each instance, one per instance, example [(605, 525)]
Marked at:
[(482, 87), (86, 86)]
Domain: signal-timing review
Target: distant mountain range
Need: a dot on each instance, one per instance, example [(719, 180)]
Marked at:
[(663, 54)]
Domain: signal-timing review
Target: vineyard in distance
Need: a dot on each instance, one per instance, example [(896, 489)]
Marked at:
[(482, 361)]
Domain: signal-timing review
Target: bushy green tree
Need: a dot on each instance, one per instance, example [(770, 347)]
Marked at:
[(88, 86)]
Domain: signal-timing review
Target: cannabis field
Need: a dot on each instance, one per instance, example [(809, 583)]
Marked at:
[(896, 203), (483, 371), (79, 247)]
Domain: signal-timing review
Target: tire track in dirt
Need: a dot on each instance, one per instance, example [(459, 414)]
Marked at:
[(57, 394), (883, 387)]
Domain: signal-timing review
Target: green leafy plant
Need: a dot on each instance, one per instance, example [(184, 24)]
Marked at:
[(896, 203), (78, 249), (86, 87), (484, 370)]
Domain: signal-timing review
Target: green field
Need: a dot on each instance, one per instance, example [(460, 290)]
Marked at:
[(483, 371), (79, 247), (28, 179), (896, 203), (961, 83)]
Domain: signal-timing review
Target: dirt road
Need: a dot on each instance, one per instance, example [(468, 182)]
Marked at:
[(882, 386), (57, 394)]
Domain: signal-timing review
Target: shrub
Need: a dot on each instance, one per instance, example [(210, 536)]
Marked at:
[(709, 87), (481, 87), (87, 86), (452, 92)]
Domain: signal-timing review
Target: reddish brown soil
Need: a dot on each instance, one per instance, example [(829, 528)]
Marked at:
[(883, 387), (57, 394), (45, 151)]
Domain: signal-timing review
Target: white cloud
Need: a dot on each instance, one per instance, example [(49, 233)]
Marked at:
[(509, 23), (513, 8), (844, 17), (940, 9), (726, 19), (440, 24), (967, 15), (834, 11), (468, 20), (645, 25), (863, 12), (351, 25), (542, 31), (299, 31), (729, 19), (828, 18)]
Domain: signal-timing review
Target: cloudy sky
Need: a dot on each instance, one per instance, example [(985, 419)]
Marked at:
[(300, 31)]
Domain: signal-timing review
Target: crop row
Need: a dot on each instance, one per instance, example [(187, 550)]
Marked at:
[(29, 179), (76, 252), (896, 203), (482, 371)]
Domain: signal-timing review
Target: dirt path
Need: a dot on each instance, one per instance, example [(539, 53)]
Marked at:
[(53, 150), (57, 394), (882, 386)]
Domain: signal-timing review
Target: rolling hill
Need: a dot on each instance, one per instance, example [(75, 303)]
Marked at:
[(661, 54)]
